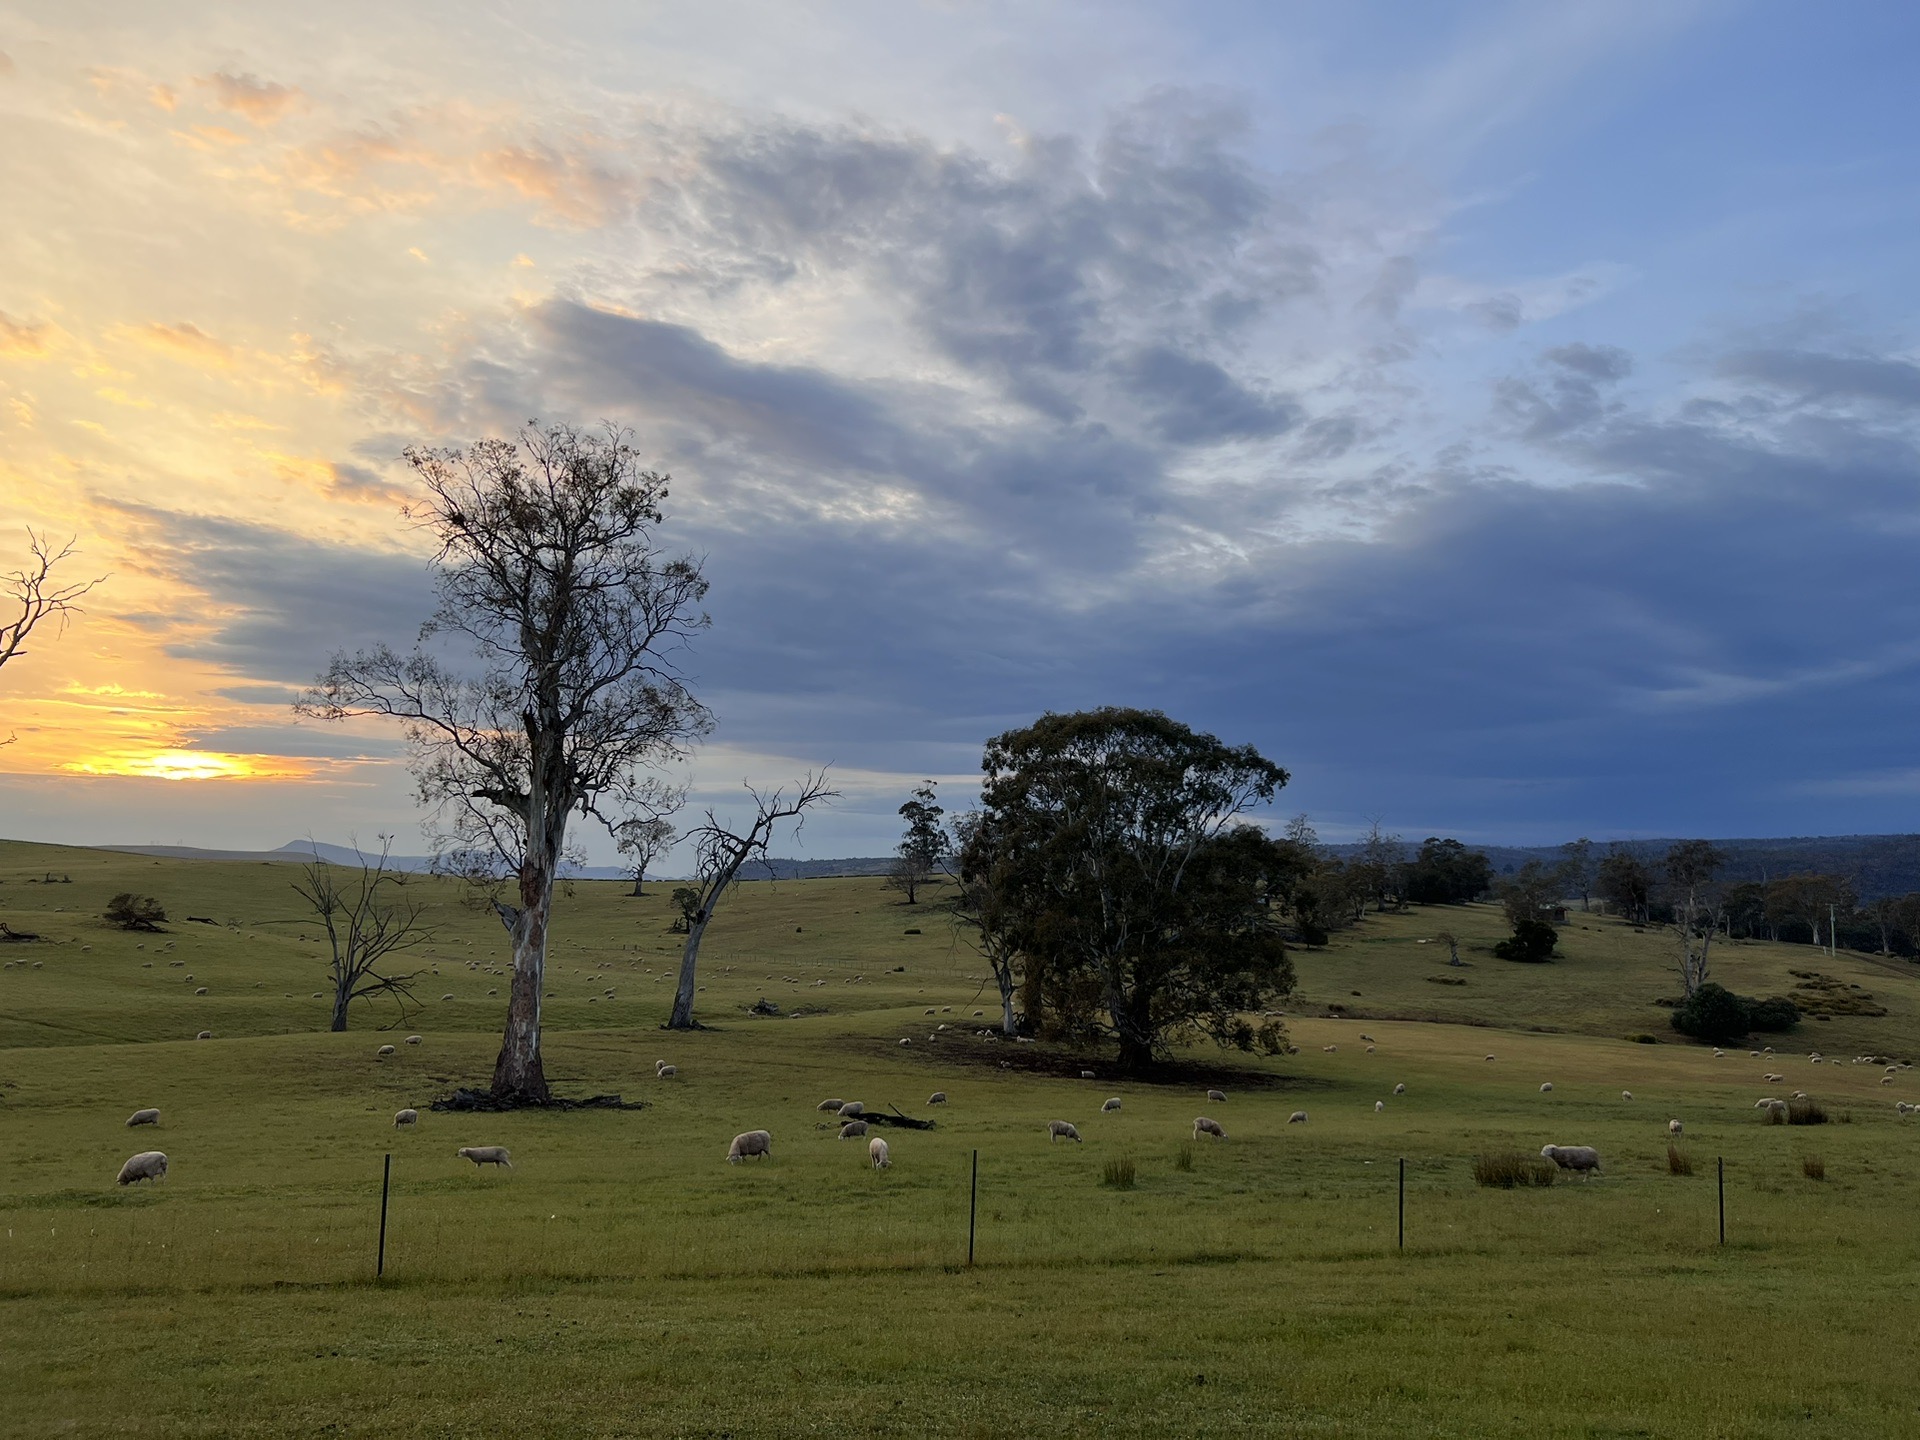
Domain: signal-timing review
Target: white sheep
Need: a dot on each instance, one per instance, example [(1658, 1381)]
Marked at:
[(905, 1041), (1886, 1079), (1378, 1106), (1298, 1117), (1626, 1094), (1369, 1049), (408, 1116), (1768, 1103), (486, 1155), (448, 996), (852, 1110), (1086, 1074), (147, 1165), (143, 1117), (833, 1105), (413, 1039), (1203, 1126), (1583, 1158), (853, 1129), (752, 1142), (1489, 1057), (1400, 1089), (939, 1097), (666, 1072), (1328, 1049), (1546, 1087), (1061, 1130), (204, 1035), (877, 1152), (1108, 1106), (385, 1050), (1364, 1036), (1673, 1127)]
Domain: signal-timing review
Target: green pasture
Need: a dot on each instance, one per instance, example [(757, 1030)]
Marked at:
[(622, 1279)]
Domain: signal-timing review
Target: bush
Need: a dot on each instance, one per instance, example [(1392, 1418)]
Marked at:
[(1118, 1174), (1814, 1168), (1773, 1014), (1510, 1168), (135, 912), (1805, 1112), (1678, 1161), (1532, 942), (1713, 1013)]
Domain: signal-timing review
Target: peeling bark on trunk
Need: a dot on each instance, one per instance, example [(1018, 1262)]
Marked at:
[(682, 1018), (518, 1074)]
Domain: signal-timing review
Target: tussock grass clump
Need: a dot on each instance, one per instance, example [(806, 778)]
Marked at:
[(1773, 1115), (1118, 1174), (1805, 1112), (1507, 1169), (1183, 1159), (1678, 1161), (1813, 1167)]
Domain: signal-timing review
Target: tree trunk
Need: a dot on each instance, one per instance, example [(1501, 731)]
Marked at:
[(682, 1018), (636, 885), (1008, 1026), (518, 1075), (1135, 1054), (341, 995)]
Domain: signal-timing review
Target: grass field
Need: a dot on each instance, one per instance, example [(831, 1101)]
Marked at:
[(622, 1280)]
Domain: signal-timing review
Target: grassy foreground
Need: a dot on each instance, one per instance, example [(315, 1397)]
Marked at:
[(623, 1280)]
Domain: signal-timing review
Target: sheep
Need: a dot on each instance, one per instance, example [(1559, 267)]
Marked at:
[(1546, 1087), (1328, 1049), (877, 1152), (853, 1129), (1718, 1053), (752, 1142), (852, 1110), (1400, 1089), (1218, 1097), (833, 1105), (1110, 1105), (1674, 1127), (1298, 1117), (658, 1066), (413, 1039), (1203, 1126), (1626, 1094), (939, 1097), (905, 1041), (1378, 1106), (486, 1155), (409, 1116), (666, 1072), (1583, 1158), (1366, 1037), (1061, 1130), (1886, 1079), (147, 1165), (1489, 1059), (1369, 1049), (1904, 1108), (1086, 1074), (201, 990), (204, 1035), (1768, 1103), (384, 1051), (143, 1117), (446, 997)]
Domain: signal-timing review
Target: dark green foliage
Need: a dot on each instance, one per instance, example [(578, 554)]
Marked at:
[(1775, 1013), (923, 845), (1532, 942), (686, 904), (1508, 1169), (1806, 1112), (1624, 883), (135, 912), (1445, 872), (1713, 1013), (1530, 894)]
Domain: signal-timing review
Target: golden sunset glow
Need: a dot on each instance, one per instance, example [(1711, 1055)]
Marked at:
[(187, 765)]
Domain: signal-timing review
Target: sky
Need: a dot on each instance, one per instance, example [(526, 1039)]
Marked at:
[(1506, 417)]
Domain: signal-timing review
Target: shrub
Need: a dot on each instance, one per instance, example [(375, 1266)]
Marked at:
[(1531, 943), (1813, 1167), (1183, 1159), (1118, 1174), (1805, 1112), (1773, 1014), (1678, 1161), (135, 912), (1509, 1168), (1713, 1013), (1775, 1115)]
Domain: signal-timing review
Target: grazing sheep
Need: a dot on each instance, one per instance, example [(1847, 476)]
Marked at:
[(1768, 1103), (1886, 1079), (1719, 1054), (1203, 1126), (1626, 1094), (1086, 1074), (1773, 1079), (853, 1129), (147, 1165), (486, 1155), (201, 990), (1366, 1037), (1583, 1158), (1489, 1057), (1298, 1117), (852, 1110), (939, 1097), (446, 997), (905, 1041), (753, 1142), (877, 1152), (1328, 1049), (1369, 1049), (666, 1072), (1546, 1087), (408, 1116), (1218, 1097), (1673, 1127), (1061, 1130), (143, 1117), (204, 1035), (833, 1105), (1904, 1108), (1400, 1089), (1107, 1106), (1378, 1106), (413, 1039), (385, 1050)]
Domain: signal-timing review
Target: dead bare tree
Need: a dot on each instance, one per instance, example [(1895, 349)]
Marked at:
[(33, 595), (548, 569), (720, 853), (365, 923)]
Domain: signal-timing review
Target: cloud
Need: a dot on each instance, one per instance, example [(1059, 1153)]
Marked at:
[(25, 338), (264, 102), (184, 341), (1813, 376)]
